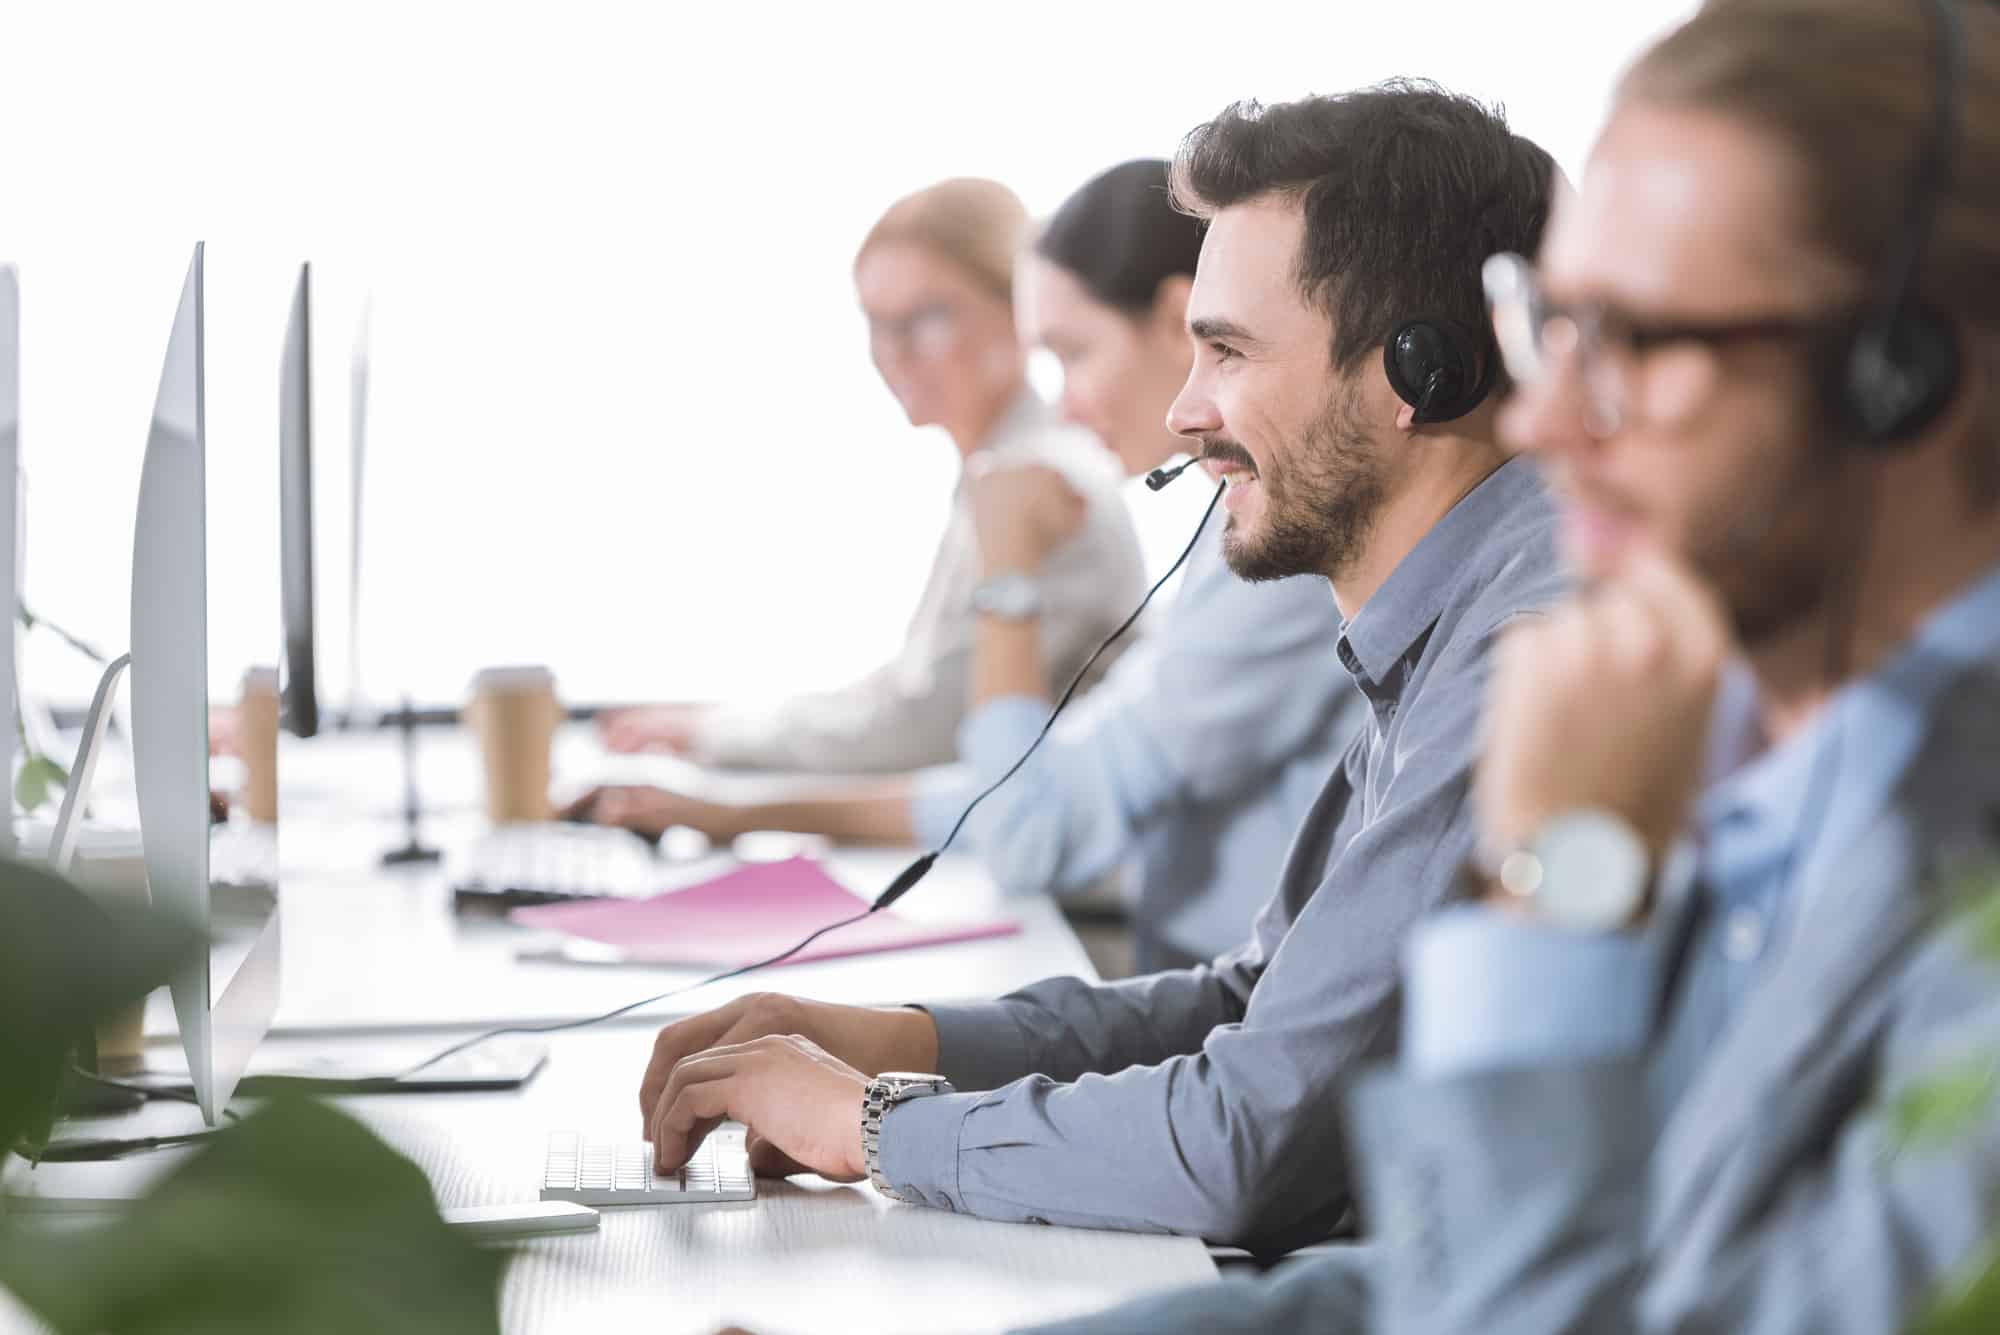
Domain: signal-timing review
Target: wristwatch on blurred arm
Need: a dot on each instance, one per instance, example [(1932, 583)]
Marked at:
[(1011, 597), (1587, 870), (882, 1093)]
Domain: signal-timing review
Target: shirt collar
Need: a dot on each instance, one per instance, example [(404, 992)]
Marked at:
[(1380, 635)]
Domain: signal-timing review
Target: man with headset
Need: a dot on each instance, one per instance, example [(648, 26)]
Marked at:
[(1669, 1077), (1340, 389)]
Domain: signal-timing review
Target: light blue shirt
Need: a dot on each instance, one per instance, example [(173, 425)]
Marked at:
[(1192, 765), (1488, 990)]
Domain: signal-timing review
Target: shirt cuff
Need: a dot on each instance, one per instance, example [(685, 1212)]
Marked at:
[(1487, 989), (980, 1047), (918, 1149)]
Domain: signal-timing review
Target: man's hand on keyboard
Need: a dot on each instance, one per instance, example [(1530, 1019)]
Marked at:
[(799, 1101), (870, 1039)]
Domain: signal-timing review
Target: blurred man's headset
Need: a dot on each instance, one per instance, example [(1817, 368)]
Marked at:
[(1886, 373)]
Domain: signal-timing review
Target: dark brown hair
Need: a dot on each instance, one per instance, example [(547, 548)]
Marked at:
[(1406, 189), (1121, 236)]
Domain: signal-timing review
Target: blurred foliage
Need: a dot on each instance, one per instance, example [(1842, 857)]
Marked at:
[(39, 780), (298, 1218), (1971, 1306), (66, 961), (1933, 1113), (1950, 1104)]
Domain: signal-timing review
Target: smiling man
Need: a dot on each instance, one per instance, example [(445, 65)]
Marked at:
[(1339, 388)]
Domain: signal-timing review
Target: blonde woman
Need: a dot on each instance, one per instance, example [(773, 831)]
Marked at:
[(935, 277)]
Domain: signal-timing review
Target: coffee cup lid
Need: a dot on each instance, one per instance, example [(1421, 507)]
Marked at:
[(512, 678)]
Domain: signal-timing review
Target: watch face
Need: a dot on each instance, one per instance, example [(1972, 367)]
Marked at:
[(1593, 873), (1013, 596)]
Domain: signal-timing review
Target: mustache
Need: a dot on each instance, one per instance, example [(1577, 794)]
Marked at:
[(1221, 449)]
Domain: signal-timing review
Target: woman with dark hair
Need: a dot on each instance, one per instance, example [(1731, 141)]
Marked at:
[(1195, 762)]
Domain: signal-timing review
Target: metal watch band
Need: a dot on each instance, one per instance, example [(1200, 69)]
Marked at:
[(877, 1097), (1012, 597)]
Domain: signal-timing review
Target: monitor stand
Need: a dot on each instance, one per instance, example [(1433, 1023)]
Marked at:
[(69, 822)]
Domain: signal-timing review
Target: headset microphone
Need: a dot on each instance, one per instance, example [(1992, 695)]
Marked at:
[(917, 870)]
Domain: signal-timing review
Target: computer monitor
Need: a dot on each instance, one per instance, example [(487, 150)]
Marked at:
[(300, 695), (10, 459), (358, 711), (220, 875)]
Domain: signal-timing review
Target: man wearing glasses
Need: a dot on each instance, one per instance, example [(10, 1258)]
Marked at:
[(1672, 1074)]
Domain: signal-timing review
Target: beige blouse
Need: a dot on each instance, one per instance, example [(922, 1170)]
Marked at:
[(905, 714)]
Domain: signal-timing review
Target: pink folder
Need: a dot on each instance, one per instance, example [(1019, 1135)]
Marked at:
[(748, 914)]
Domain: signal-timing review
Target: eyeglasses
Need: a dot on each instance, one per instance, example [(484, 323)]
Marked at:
[(923, 332), (1630, 369)]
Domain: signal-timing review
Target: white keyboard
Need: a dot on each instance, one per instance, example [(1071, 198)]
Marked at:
[(550, 862), (607, 1172)]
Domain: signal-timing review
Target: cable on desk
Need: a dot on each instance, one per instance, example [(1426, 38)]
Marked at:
[(904, 880), (148, 1092)]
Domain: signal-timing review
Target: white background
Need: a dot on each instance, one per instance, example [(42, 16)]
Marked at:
[(622, 418)]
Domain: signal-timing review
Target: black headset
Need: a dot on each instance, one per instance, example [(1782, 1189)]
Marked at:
[(1887, 373), (1439, 367)]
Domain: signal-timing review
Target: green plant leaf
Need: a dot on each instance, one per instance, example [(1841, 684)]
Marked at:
[(297, 1219), (38, 779), (1941, 1107), (1983, 925), (65, 963), (1971, 893), (1971, 1304)]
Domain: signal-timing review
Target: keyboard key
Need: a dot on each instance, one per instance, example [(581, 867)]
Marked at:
[(621, 1173)]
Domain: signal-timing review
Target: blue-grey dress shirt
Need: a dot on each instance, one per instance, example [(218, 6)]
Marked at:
[(1192, 765), (1202, 1101), (1489, 990)]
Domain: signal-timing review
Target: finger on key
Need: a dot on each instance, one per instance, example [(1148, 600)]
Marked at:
[(690, 1110), (675, 1043)]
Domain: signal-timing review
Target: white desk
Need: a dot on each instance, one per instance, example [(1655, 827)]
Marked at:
[(376, 963)]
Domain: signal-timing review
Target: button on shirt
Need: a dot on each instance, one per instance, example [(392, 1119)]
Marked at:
[(1194, 763), (1202, 1100)]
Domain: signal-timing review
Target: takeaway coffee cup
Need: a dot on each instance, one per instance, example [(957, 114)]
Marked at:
[(515, 712)]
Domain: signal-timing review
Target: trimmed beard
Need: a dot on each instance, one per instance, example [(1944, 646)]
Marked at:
[(1318, 508)]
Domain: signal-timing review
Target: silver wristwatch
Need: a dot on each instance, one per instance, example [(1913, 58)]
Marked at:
[(884, 1092), (1012, 597), (1587, 870)]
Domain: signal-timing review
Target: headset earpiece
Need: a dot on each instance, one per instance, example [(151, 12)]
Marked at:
[(1889, 372), (1886, 380), (1438, 367)]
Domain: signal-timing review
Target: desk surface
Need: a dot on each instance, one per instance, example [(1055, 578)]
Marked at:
[(369, 949), (377, 967)]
